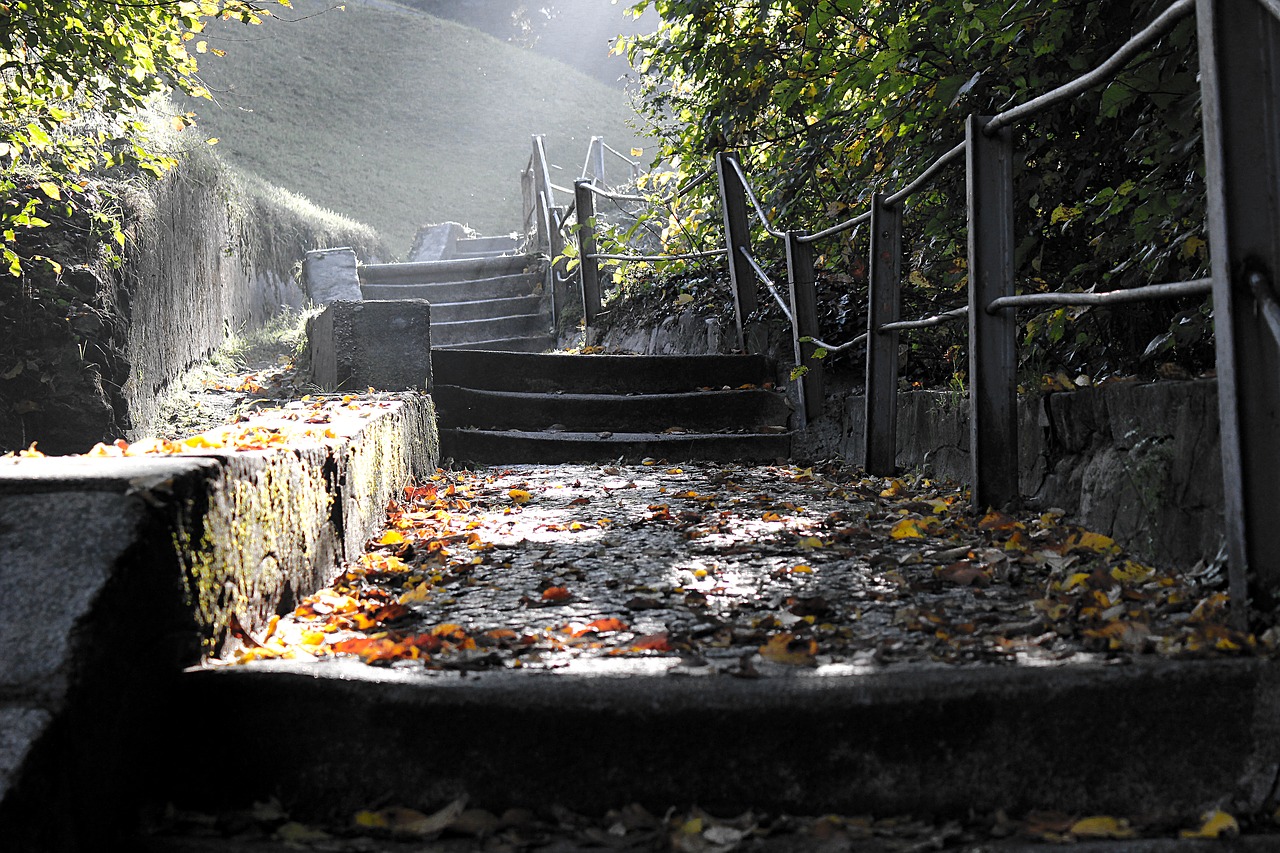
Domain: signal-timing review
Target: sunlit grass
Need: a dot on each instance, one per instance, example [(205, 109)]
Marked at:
[(396, 118)]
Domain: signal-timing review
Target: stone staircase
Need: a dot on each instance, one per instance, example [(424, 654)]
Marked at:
[(547, 408), (488, 296)]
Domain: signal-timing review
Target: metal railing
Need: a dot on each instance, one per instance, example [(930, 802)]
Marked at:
[(1240, 92)]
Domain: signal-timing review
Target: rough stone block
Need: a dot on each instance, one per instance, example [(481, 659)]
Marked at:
[(382, 344), (330, 275), (436, 242)]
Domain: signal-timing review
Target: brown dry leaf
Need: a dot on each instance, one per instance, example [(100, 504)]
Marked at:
[(785, 648), (964, 573)]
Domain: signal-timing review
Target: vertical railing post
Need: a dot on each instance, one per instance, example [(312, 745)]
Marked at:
[(529, 199), (552, 285), (1240, 86), (880, 445), (595, 156), (993, 353), (737, 236), (588, 267), (804, 308)]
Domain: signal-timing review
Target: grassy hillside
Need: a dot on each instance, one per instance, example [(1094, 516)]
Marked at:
[(397, 118)]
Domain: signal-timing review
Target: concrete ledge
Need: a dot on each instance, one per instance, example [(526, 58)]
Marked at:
[(120, 571), (378, 343), (1156, 738)]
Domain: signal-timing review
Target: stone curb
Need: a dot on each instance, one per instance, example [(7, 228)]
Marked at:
[(120, 571), (1154, 738)]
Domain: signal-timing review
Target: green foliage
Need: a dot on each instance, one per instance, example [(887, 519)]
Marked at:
[(830, 101), (74, 75)]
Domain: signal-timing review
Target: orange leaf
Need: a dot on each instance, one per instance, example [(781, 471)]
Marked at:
[(652, 643), (556, 593), (601, 626)]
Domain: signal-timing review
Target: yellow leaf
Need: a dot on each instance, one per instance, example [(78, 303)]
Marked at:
[(312, 638), (809, 542), (802, 569), (1101, 826), (371, 820), (1131, 572), (637, 152), (1074, 581), (50, 189), (419, 594), (1190, 248), (908, 528), (300, 833), (519, 496), (1216, 824), (392, 537), (684, 299), (1095, 542)]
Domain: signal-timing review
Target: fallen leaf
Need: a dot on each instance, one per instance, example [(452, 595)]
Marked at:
[(907, 528), (556, 593), (784, 648), (1101, 826), (519, 496)]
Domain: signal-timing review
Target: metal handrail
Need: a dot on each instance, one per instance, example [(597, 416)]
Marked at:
[(687, 256), (927, 322), (1195, 287), (755, 202), (1143, 39), (768, 282)]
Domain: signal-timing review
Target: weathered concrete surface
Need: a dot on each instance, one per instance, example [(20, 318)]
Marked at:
[(1159, 737), (436, 242), (329, 275), (383, 344), (119, 571)]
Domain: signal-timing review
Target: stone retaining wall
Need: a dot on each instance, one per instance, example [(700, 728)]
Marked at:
[(1137, 461), (118, 572)]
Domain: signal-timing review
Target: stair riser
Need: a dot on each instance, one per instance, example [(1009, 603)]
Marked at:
[(599, 374), (485, 448), (470, 331), (502, 287), (487, 244), (455, 270), (697, 412), (530, 344), (921, 743), (452, 312)]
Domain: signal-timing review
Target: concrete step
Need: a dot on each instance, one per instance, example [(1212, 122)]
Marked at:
[(426, 272), (492, 328), (701, 411), (502, 244), (493, 287), (1154, 737), (598, 374), (493, 447), (531, 344), (482, 309)]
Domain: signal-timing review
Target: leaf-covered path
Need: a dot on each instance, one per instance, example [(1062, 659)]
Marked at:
[(732, 570)]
